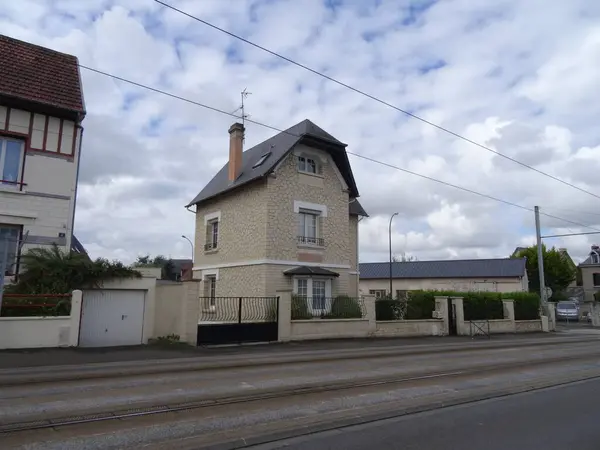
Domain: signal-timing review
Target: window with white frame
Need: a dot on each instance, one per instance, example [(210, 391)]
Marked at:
[(9, 245), (210, 291), (212, 235), (11, 162), (378, 293), (316, 291), (308, 164), (309, 228)]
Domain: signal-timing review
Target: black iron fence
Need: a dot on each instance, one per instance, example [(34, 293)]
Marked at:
[(340, 307), (235, 320), (238, 309), (320, 242)]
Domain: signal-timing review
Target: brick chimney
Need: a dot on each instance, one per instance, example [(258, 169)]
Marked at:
[(236, 138)]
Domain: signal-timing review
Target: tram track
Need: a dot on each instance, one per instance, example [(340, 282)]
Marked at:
[(270, 394)]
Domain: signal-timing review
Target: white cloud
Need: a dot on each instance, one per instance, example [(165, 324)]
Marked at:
[(496, 72)]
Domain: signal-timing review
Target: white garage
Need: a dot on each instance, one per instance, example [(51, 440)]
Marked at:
[(112, 317)]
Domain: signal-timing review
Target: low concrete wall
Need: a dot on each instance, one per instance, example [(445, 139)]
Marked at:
[(328, 329), (528, 326), (34, 332), (39, 332), (168, 314), (177, 310), (430, 327)]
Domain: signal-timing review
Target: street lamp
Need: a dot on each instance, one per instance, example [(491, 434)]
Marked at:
[(390, 235), (191, 245)]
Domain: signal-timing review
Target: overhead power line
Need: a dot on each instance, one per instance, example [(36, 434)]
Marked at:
[(255, 122), (374, 98)]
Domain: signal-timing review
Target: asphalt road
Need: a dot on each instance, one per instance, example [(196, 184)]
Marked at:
[(559, 418)]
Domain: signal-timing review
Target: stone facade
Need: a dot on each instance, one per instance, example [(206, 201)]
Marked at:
[(258, 227), (587, 278)]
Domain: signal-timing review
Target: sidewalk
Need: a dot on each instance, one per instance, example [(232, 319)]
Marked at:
[(12, 359)]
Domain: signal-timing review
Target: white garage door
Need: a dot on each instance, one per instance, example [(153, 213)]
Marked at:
[(111, 318)]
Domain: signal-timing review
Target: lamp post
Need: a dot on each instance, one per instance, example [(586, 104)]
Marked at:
[(390, 236), (191, 245)]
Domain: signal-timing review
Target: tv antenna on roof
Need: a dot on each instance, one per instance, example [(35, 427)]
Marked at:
[(245, 116)]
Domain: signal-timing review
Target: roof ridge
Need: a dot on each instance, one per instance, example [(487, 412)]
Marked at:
[(40, 47)]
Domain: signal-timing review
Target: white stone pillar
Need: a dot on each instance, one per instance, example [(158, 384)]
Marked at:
[(284, 321), (75, 318), (441, 307)]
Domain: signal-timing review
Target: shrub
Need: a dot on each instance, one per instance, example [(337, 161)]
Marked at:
[(483, 305), (344, 307), (386, 309), (300, 308), (527, 304), (421, 305)]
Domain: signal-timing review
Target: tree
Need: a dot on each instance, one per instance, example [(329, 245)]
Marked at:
[(558, 271), (403, 257), (54, 271), (167, 268)]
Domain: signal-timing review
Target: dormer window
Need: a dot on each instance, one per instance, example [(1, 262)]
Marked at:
[(307, 164), (261, 160)]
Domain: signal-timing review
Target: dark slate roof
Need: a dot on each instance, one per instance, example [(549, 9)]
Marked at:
[(588, 260), (310, 271), (279, 146), (40, 75), (356, 208), (77, 246), (465, 268)]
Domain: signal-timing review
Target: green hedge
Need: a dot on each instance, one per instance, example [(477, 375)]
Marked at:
[(419, 305), (483, 305), (32, 306), (527, 304), (344, 307)]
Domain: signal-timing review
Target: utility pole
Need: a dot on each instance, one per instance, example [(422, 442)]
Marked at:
[(390, 236), (540, 255)]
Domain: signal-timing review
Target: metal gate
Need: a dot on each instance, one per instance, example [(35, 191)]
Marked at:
[(111, 318), (235, 320), (452, 329)]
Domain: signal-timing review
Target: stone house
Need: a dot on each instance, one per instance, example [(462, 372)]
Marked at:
[(280, 215), (491, 275), (41, 111), (590, 274)]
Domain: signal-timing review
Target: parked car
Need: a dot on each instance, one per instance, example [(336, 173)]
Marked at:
[(567, 311)]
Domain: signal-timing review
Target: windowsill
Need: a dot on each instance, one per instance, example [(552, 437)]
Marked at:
[(211, 251), (310, 174), (9, 190), (311, 246)]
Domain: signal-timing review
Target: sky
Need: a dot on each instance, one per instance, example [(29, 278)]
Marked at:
[(520, 77)]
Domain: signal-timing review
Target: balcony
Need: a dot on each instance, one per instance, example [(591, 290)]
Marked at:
[(310, 241)]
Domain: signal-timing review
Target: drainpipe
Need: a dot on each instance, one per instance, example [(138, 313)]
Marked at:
[(76, 184)]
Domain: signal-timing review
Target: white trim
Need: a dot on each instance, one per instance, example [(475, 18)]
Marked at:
[(275, 262), (298, 205), (338, 174), (25, 215), (210, 272), (353, 273), (211, 216)]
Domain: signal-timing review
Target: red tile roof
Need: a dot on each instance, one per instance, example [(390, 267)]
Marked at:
[(38, 74)]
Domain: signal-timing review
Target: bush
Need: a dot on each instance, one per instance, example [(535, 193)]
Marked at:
[(421, 305), (386, 309), (344, 307), (527, 304), (483, 305), (300, 308)]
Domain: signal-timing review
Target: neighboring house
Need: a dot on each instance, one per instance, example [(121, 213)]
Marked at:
[(590, 273), (495, 275), (41, 110), (282, 215), (183, 269)]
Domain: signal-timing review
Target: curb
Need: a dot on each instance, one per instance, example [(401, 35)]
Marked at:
[(22, 376)]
